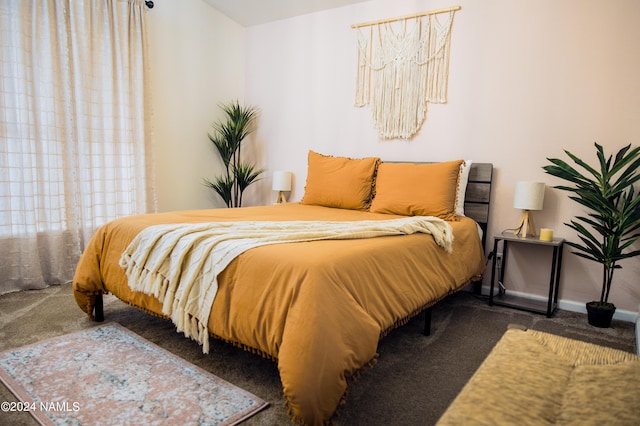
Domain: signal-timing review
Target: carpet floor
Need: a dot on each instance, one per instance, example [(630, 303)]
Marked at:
[(414, 381)]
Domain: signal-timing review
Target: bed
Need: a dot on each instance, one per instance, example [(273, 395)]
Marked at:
[(318, 307)]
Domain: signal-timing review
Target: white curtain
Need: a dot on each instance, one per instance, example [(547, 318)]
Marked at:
[(74, 131)]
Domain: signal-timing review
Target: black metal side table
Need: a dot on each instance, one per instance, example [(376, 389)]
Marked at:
[(512, 301)]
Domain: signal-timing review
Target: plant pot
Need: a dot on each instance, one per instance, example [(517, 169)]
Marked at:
[(600, 314)]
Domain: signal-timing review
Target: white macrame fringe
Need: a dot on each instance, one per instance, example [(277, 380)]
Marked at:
[(401, 68)]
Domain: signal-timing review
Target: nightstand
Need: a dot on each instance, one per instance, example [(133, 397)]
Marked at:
[(505, 299)]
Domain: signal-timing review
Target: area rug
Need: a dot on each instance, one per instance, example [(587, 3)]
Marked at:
[(109, 375)]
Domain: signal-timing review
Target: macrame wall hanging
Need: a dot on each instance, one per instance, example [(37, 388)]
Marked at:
[(403, 64)]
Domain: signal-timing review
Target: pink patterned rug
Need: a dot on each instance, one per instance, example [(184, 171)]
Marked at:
[(109, 375)]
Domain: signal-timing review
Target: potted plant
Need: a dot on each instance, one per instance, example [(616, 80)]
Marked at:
[(227, 139), (612, 223)]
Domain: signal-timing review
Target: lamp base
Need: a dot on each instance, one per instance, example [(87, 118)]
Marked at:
[(281, 198), (525, 227)]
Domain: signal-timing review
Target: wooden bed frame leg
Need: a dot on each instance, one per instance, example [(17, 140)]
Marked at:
[(98, 309), (427, 322)]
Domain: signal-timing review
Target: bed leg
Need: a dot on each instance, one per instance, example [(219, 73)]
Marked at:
[(427, 322), (98, 309)]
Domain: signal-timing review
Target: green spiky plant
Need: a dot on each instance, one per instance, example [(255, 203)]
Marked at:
[(612, 223), (227, 139)]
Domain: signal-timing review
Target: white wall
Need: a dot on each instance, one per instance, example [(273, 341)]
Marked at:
[(527, 80), (197, 62)]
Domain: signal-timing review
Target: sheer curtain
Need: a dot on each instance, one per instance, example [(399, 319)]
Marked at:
[(74, 131)]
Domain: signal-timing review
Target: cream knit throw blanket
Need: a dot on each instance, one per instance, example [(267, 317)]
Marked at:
[(179, 263)]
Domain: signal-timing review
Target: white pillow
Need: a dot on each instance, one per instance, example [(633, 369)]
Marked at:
[(462, 186)]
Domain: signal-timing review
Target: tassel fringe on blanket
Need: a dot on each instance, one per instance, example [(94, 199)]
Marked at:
[(179, 263)]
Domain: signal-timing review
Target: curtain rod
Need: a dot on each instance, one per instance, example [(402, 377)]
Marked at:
[(415, 15), (149, 4)]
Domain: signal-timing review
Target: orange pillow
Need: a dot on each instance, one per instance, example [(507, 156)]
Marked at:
[(417, 189), (340, 182)]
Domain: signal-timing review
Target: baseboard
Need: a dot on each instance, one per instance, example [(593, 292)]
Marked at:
[(620, 314), (569, 305), (638, 332)]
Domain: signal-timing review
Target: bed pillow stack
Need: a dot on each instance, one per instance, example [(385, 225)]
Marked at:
[(417, 189), (340, 182), (407, 189)]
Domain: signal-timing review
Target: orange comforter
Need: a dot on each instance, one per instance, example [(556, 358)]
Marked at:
[(319, 307)]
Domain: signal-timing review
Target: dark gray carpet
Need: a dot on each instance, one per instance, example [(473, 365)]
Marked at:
[(414, 381)]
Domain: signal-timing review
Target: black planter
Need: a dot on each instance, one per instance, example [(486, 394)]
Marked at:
[(600, 314)]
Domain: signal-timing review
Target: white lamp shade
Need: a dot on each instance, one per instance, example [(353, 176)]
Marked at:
[(281, 181), (529, 195)]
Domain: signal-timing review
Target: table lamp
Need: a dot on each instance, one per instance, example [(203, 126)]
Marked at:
[(528, 196), (281, 181)]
